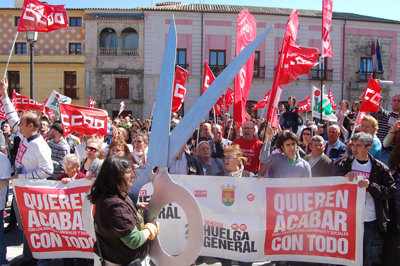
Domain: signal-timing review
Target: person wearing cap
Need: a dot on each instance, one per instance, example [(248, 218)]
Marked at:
[(59, 148)]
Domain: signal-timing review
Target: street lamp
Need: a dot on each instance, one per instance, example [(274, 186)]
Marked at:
[(31, 37)]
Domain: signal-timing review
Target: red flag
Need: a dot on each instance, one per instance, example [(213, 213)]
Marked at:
[(330, 97), (91, 102), (246, 32), (47, 110), (228, 99), (327, 7), (304, 105), (371, 96), (37, 16), (299, 60), (21, 102), (289, 39), (360, 117), (219, 106), (2, 112), (261, 104), (84, 120), (208, 77), (179, 88)]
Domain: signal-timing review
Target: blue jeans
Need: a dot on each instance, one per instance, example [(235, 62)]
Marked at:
[(3, 245), (372, 244)]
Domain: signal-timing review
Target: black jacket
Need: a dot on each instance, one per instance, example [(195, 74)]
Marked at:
[(193, 166), (382, 187)]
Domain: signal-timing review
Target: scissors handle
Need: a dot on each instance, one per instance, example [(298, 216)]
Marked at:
[(167, 191)]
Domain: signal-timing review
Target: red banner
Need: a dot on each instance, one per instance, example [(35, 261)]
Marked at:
[(21, 102), (2, 112), (261, 104), (52, 218), (330, 97), (246, 32), (91, 102), (298, 61), (228, 99), (304, 105), (289, 39), (312, 221), (84, 120), (371, 97), (37, 16), (327, 7), (179, 88)]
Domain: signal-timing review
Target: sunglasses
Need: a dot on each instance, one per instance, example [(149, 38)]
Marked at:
[(91, 149), (307, 134)]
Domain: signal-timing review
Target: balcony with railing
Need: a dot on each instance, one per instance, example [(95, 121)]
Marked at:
[(217, 69), (118, 51), (327, 74), (259, 72), (364, 76)]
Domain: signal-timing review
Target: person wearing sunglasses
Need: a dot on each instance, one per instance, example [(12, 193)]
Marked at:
[(90, 166), (305, 140)]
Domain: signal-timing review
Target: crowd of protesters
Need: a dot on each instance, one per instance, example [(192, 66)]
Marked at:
[(369, 153)]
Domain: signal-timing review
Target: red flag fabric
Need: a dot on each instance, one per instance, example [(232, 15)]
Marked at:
[(37, 16), (228, 99), (91, 102), (371, 96), (208, 77), (219, 106), (261, 104), (246, 32), (327, 7), (179, 88), (289, 39), (330, 97), (2, 112), (304, 105), (360, 117), (84, 120), (298, 61), (21, 102)]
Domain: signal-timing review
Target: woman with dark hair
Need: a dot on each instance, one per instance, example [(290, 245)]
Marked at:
[(291, 118), (305, 140), (121, 234)]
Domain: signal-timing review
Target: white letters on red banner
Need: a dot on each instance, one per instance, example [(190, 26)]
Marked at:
[(37, 16), (179, 88), (84, 120), (51, 215), (289, 219), (21, 102)]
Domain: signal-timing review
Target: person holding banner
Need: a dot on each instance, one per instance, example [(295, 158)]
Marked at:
[(375, 176), (285, 164), (121, 234)]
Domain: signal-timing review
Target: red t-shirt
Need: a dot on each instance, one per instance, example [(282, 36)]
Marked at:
[(251, 150)]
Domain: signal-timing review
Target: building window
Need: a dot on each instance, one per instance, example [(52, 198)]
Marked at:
[(181, 58), (108, 42), (20, 48), (70, 88), (13, 82), (75, 22), (321, 70), (217, 61), (122, 88), (129, 42), (74, 48), (366, 68), (16, 21)]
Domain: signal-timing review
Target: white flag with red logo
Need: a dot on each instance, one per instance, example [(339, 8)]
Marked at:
[(84, 120), (38, 16), (91, 102), (330, 96), (327, 7), (246, 32), (21, 102), (179, 88), (121, 108), (304, 105), (47, 110), (261, 104), (371, 97), (55, 98)]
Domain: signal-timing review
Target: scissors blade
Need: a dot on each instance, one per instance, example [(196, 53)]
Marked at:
[(159, 139), (181, 133)]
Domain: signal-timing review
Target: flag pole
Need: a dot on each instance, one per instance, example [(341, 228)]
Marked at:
[(9, 56), (151, 117)]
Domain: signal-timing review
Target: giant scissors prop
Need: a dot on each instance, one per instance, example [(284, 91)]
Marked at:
[(165, 145)]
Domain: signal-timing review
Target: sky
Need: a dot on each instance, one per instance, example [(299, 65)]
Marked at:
[(388, 9)]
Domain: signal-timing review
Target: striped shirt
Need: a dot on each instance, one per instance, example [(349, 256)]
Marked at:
[(386, 120)]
